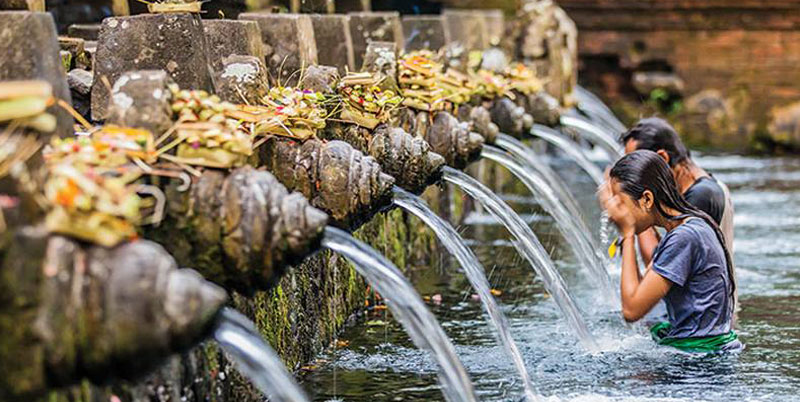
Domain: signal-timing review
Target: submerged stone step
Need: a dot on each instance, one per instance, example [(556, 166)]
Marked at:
[(170, 42), (334, 43), (367, 27), (30, 51), (289, 45)]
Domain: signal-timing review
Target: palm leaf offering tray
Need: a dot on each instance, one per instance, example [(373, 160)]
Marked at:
[(301, 112), (458, 87), (205, 133), (90, 190), (25, 103), (418, 76), (523, 79), (364, 102), (173, 6), (492, 85)]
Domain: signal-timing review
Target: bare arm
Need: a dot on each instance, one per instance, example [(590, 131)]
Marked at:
[(639, 295), (648, 240)]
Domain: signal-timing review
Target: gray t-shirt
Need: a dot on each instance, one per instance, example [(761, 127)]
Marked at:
[(698, 303)]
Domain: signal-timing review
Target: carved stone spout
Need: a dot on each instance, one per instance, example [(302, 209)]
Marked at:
[(334, 176), (240, 229), (72, 311)]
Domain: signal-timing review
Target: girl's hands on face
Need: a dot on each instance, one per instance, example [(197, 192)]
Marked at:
[(618, 211)]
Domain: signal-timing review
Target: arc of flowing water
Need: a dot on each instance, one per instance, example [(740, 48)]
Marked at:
[(474, 272), (594, 134), (573, 150), (529, 247), (570, 228), (570, 148), (408, 308), (589, 102), (240, 340), (533, 163)]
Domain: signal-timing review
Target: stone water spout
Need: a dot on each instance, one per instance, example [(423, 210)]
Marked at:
[(71, 311), (409, 159), (334, 176), (447, 136), (241, 228)]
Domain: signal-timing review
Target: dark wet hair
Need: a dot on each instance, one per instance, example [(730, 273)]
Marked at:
[(654, 134), (645, 170)]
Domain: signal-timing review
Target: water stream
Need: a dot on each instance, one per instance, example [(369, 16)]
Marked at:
[(474, 272), (254, 358), (570, 148), (528, 245), (596, 108), (533, 163), (766, 195), (594, 133), (572, 229), (407, 308)]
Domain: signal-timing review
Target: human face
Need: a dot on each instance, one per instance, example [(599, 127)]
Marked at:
[(630, 214)]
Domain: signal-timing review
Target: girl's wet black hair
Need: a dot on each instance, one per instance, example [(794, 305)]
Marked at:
[(644, 170), (654, 134)]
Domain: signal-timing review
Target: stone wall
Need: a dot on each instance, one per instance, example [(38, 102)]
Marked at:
[(724, 71), (299, 318)]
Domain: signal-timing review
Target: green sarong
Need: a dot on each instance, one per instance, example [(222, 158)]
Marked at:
[(708, 344)]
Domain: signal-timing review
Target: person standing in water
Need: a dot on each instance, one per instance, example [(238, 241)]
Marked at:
[(691, 268), (698, 187)]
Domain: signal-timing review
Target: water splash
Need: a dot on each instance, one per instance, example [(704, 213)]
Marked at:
[(570, 148), (254, 358), (572, 229), (475, 274), (409, 310), (594, 134), (528, 246)]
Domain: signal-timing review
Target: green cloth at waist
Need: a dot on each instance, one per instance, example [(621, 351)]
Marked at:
[(707, 344)]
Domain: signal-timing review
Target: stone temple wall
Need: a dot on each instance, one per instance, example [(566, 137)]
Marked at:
[(724, 71)]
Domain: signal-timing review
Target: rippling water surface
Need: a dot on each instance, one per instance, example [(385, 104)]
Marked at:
[(379, 363)]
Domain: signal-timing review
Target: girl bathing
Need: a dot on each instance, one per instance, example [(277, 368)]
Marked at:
[(690, 268)]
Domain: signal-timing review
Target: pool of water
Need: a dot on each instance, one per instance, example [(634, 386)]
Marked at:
[(377, 362)]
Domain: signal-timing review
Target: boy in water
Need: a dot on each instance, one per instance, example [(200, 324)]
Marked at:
[(698, 187)]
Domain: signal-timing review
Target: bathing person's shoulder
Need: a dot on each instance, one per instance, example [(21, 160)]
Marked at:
[(707, 195)]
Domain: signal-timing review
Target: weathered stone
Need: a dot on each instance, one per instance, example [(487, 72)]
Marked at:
[(334, 44), (84, 31), (29, 5), (320, 78), (467, 29), (77, 50), (141, 99), (508, 116), (80, 86), (784, 125), (446, 136), (31, 51), (288, 42), (495, 25), (367, 27), (409, 159), (544, 108), (73, 311), (334, 176), (241, 79), (169, 42), (425, 32), (380, 59), (232, 37)]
